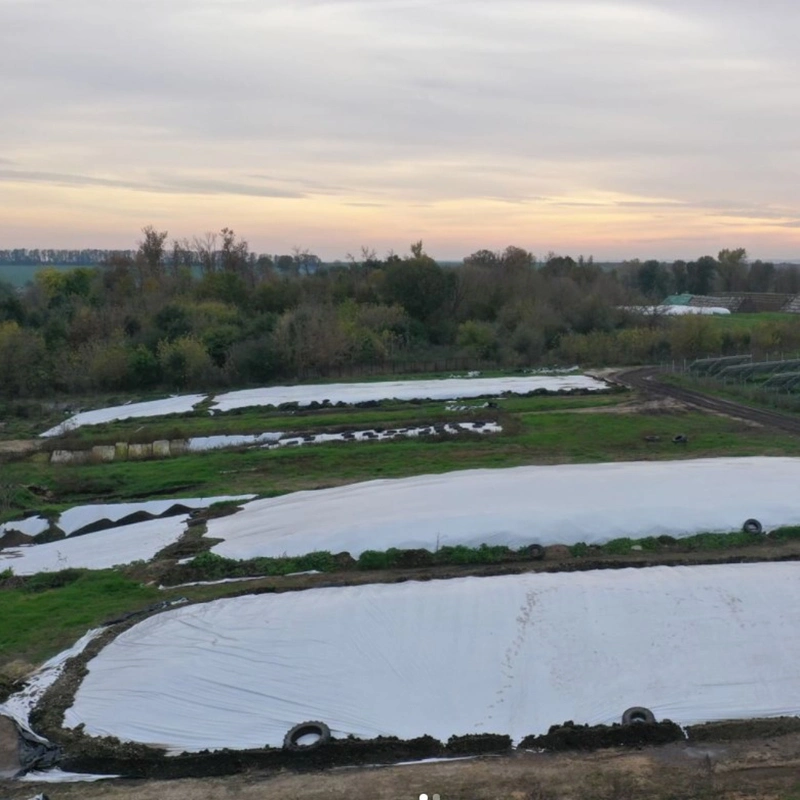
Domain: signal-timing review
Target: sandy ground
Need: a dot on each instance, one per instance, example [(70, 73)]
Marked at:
[(762, 769), (9, 763), (17, 446)]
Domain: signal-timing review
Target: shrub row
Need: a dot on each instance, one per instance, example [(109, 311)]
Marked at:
[(700, 541), (210, 566)]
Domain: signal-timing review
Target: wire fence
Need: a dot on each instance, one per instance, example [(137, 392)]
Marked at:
[(772, 380)]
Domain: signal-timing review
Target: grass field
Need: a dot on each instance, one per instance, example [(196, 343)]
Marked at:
[(530, 437), (20, 274), (743, 322), (259, 420)]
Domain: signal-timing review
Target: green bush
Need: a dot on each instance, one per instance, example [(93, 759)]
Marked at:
[(787, 533), (485, 554), (650, 544), (214, 567), (53, 580), (619, 546), (373, 559)]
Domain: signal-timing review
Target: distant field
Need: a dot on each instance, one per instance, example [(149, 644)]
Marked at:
[(20, 274), (737, 322)]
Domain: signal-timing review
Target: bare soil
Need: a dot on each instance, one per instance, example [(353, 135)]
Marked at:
[(648, 380), (755, 769), (638, 405), (17, 446), (9, 760)]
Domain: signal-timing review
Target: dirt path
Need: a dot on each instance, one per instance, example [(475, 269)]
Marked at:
[(19, 446), (648, 380), (758, 769), (9, 760)]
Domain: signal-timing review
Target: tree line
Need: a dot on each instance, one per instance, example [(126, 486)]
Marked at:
[(730, 271), (152, 319)]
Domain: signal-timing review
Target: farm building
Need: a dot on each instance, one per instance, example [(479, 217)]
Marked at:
[(739, 302)]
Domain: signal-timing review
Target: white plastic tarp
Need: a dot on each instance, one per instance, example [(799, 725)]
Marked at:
[(563, 504), (276, 440), (679, 311), (30, 526), (19, 706), (77, 517), (504, 655), (101, 550), (179, 404), (442, 389)]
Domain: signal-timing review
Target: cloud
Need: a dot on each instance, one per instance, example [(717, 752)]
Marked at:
[(169, 185), (641, 105)]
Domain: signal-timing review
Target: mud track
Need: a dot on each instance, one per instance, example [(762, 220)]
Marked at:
[(649, 380)]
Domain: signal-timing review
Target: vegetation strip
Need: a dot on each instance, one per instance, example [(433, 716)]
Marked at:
[(209, 566)]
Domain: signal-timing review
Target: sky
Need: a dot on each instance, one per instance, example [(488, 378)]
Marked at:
[(649, 128)]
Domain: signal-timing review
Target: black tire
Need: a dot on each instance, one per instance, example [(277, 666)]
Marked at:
[(290, 741), (637, 714), (681, 438), (752, 526), (535, 552)]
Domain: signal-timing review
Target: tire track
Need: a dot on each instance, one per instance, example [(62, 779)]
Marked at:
[(648, 380)]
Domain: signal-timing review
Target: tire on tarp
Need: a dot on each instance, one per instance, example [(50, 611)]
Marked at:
[(752, 526), (636, 714), (290, 741), (535, 552)]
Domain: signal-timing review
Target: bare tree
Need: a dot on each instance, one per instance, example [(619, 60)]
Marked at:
[(150, 255), (235, 256), (305, 261), (182, 256), (206, 249)]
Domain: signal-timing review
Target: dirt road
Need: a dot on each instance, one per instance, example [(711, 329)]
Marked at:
[(649, 380), (745, 770)]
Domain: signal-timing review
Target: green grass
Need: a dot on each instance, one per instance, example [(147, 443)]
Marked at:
[(530, 438), (38, 624), (743, 322)]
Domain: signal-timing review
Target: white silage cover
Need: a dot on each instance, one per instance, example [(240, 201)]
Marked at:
[(123, 545), (442, 389), (503, 655), (563, 504), (179, 404), (77, 517), (31, 526)]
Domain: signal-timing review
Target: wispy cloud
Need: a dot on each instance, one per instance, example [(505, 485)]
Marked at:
[(642, 109), (167, 185)]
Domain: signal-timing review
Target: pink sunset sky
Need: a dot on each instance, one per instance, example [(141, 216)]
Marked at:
[(651, 128)]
